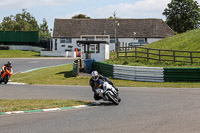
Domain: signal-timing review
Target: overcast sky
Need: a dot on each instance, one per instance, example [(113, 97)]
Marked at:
[(51, 9)]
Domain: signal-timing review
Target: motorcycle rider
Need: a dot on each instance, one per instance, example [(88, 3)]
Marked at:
[(95, 81), (9, 65)]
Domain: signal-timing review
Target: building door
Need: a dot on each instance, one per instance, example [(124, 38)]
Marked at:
[(56, 44)]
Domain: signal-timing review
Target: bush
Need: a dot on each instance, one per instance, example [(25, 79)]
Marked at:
[(125, 63)]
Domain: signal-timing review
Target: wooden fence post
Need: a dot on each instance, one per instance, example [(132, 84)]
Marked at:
[(126, 51), (117, 51), (174, 54), (135, 52), (147, 54), (191, 58), (159, 56)]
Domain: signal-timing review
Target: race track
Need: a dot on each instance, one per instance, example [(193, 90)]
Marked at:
[(142, 110)]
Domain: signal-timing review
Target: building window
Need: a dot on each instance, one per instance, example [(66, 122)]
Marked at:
[(62, 40), (68, 40), (62, 45), (141, 40), (65, 40), (94, 48), (112, 40), (89, 39)]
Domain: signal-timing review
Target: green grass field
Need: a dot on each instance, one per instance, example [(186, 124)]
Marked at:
[(188, 41), (62, 75), (34, 104), (18, 54), (131, 61)]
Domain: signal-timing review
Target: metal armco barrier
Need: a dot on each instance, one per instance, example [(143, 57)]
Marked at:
[(136, 73), (149, 74)]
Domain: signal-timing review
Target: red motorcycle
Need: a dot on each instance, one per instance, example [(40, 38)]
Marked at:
[(6, 75)]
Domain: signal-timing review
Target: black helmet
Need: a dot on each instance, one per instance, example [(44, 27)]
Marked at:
[(9, 63)]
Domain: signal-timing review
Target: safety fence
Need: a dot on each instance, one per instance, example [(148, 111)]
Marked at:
[(182, 74), (103, 68), (150, 74), (159, 54), (136, 73), (75, 68)]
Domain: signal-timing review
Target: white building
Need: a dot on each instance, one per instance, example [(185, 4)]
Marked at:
[(127, 32), (97, 50)]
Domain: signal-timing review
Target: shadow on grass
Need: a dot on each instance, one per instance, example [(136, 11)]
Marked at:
[(37, 56), (67, 74)]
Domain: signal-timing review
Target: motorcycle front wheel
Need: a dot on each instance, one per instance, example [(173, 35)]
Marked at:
[(6, 79), (112, 98)]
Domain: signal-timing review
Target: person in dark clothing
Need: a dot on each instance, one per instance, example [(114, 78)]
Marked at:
[(96, 80)]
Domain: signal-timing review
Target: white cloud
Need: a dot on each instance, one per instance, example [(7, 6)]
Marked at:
[(57, 2), (32, 3), (140, 9)]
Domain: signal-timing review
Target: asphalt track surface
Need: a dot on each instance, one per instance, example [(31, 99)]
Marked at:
[(23, 64), (142, 110)]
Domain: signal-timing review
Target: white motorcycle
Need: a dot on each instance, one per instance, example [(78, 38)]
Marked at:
[(108, 93)]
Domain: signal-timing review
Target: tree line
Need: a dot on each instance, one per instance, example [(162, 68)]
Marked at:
[(182, 15), (24, 22)]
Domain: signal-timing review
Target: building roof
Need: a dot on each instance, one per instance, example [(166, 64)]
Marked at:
[(127, 28), (84, 42)]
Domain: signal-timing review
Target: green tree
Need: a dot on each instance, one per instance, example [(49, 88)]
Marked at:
[(182, 15), (111, 17), (80, 16), (8, 23), (20, 22), (44, 31)]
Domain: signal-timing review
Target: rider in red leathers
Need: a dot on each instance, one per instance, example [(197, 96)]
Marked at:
[(9, 65)]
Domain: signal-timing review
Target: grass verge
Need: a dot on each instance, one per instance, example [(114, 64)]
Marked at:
[(131, 61), (62, 75), (18, 54), (188, 41), (34, 104)]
